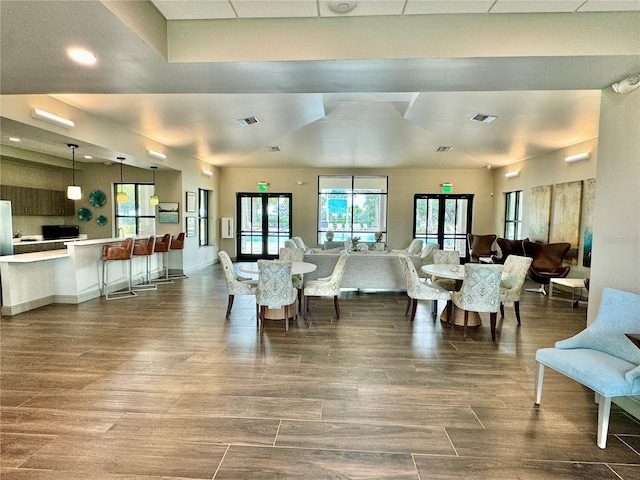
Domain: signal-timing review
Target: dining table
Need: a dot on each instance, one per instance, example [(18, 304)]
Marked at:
[(454, 272), (297, 268)]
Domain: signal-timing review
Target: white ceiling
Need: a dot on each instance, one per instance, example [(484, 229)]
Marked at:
[(342, 113)]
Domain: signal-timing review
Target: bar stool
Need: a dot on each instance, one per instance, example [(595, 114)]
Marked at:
[(116, 253), (162, 246), (143, 248), (178, 244)]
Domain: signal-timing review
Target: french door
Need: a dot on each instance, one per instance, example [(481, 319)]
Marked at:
[(264, 224), (445, 219)]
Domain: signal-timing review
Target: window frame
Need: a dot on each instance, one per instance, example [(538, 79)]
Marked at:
[(516, 221), (203, 217), (135, 186), (353, 191)]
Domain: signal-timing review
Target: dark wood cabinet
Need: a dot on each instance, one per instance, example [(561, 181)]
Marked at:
[(37, 201)]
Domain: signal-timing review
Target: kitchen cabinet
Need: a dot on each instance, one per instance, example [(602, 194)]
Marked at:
[(37, 201)]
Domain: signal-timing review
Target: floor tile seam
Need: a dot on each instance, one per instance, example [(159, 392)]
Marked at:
[(478, 418), (394, 424), (621, 438), (224, 455)]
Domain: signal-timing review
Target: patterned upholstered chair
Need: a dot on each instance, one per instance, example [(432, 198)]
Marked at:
[(515, 273), (600, 357), (414, 248), (236, 285), (418, 290), (275, 289), (327, 286), (426, 257), (446, 257), (480, 292), (294, 255), (480, 246), (117, 253)]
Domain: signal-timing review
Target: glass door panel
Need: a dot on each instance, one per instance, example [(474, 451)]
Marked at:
[(264, 220)]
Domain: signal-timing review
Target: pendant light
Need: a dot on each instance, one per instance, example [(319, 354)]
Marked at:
[(154, 200), (121, 196), (73, 192)]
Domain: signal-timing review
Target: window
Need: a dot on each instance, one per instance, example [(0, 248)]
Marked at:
[(513, 215), (445, 219), (136, 216), (352, 205), (203, 217)]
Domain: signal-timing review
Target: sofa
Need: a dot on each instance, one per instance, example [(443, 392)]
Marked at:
[(364, 271)]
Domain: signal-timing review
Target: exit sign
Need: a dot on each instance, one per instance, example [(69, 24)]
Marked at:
[(447, 187)]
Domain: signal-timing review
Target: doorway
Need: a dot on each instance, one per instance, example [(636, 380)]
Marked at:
[(264, 224)]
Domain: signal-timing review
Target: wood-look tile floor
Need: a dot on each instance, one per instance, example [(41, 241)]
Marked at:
[(161, 386)]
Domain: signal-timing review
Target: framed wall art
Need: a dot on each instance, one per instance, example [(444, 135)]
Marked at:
[(191, 202), (168, 212)]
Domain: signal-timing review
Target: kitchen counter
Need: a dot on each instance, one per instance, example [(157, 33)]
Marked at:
[(71, 275)]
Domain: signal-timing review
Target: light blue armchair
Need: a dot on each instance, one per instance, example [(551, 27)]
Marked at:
[(601, 357)]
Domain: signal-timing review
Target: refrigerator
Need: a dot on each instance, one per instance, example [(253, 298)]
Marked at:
[(6, 229)]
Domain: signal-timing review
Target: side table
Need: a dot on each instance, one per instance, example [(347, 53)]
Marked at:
[(572, 283)]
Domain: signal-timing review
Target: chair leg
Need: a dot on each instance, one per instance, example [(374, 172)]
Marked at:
[(414, 306), (306, 305), (466, 321), (261, 318), (604, 409), (336, 305), (539, 384), (502, 309), (537, 290), (286, 318), (229, 305), (493, 316), (406, 310), (516, 307)]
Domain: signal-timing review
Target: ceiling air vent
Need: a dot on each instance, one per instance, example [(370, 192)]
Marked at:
[(481, 117), (243, 122), (443, 149), (273, 148)]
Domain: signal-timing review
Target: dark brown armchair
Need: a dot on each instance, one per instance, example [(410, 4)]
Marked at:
[(509, 247), (547, 262), (480, 246)]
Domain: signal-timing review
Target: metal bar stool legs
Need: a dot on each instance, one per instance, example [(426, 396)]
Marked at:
[(145, 249), (162, 247), (117, 253), (177, 244)]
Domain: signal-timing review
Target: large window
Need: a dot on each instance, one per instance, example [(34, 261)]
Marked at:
[(136, 216), (513, 215), (352, 205), (203, 217), (445, 219)]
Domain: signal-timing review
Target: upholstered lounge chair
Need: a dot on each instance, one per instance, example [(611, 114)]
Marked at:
[(480, 247), (414, 248), (508, 247), (600, 357), (547, 262)]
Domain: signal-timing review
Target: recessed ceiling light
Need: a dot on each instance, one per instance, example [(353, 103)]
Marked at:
[(14, 139), (484, 118), (81, 56), (342, 6)]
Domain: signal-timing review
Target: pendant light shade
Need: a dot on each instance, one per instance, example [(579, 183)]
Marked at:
[(154, 200), (121, 196), (73, 192)]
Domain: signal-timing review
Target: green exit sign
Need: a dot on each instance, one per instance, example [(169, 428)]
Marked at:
[(263, 186), (447, 187)]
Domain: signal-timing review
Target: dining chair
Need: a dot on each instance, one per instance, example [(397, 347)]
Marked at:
[(514, 274), (327, 286), (294, 255), (117, 253), (480, 293), (426, 257), (236, 285), (419, 290), (414, 248), (446, 257), (275, 289)]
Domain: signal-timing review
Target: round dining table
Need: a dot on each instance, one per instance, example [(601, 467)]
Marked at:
[(297, 268)]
